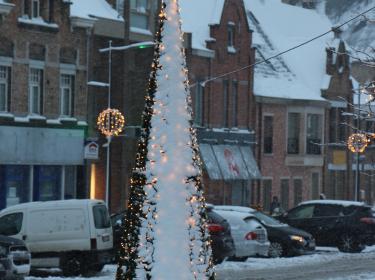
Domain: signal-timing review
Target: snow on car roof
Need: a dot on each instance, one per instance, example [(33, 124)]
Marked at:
[(241, 209), (234, 215), (336, 202), (52, 203)]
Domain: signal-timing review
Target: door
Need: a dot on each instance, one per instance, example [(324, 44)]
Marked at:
[(101, 229)]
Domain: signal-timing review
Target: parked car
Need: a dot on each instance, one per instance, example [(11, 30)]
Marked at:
[(347, 225), (14, 258), (117, 220), (249, 236), (284, 239), (221, 240), (73, 235)]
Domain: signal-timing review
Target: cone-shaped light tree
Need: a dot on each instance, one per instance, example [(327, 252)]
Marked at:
[(165, 234)]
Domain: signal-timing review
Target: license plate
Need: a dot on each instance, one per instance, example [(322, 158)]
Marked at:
[(105, 238)]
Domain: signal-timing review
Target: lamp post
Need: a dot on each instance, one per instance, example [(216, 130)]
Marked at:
[(111, 121)]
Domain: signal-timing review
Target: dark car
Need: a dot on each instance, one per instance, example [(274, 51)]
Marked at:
[(14, 258), (347, 225), (117, 221), (284, 239), (221, 240)]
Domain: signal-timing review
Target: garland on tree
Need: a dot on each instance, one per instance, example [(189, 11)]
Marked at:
[(128, 255)]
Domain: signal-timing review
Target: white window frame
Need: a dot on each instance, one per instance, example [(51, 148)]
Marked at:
[(4, 72), (35, 82), (66, 86), (141, 11), (32, 9)]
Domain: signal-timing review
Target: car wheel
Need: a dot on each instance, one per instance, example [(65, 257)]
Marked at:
[(72, 266), (347, 243), (275, 250)]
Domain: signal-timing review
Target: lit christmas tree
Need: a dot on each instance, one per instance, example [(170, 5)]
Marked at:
[(165, 234)]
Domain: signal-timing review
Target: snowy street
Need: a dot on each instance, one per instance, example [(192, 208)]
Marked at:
[(326, 263)]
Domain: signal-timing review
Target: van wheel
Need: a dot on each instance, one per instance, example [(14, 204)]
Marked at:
[(275, 250), (71, 266)]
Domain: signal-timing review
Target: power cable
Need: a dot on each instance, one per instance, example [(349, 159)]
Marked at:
[(284, 52)]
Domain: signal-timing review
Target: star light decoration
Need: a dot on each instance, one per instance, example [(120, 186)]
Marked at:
[(358, 142), (110, 122)]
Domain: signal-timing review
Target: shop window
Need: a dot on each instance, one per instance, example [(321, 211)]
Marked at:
[(285, 194), (315, 185), (70, 182), (47, 183), (5, 82), (36, 91), (139, 14), (293, 133), (267, 193), (14, 185), (268, 135), (66, 95), (297, 191), (314, 134)]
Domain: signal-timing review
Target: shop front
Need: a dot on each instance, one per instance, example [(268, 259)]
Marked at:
[(39, 164)]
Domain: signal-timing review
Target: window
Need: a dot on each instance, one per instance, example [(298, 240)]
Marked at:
[(101, 217), (4, 88), (139, 14), (293, 133), (267, 192), (234, 103), (297, 191), (268, 135), (302, 212), (285, 194), (198, 106), (35, 91), (314, 134), (67, 94), (225, 102), (231, 35), (35, 8), (325, 210), (47, 183), (315, 185), (120, 7), (11, 224)]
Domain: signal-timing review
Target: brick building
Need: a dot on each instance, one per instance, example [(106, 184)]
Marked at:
[(224, 107), (43, 102)]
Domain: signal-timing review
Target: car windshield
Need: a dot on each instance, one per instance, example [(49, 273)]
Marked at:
[(266, 219)]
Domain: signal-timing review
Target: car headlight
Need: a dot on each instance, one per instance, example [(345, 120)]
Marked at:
[(3, 250), (297, 238)]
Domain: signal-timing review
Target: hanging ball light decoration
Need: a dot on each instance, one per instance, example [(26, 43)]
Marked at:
[(110, 122), (358, 142)]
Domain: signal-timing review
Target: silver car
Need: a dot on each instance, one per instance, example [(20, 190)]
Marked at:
[(249, 236)]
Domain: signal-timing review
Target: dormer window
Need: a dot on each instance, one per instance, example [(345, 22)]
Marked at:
[(35, 9), (231, 34)]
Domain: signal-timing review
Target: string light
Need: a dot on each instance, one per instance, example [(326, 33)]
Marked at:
[(110, 122), (358, 142)]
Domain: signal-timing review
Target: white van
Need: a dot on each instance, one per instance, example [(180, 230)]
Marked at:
[(73, 235)]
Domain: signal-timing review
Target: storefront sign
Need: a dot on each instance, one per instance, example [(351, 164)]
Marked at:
[(91, 150)]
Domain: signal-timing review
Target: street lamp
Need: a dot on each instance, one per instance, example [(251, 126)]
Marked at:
[(111, 121)]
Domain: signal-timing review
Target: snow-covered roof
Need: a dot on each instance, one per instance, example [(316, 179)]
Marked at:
[(92, 9), (197, 16), (335, 202), (298, 74)]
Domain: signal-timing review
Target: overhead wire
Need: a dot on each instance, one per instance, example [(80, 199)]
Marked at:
[(203, 83)]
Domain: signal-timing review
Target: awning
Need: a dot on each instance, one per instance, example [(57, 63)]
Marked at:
[(229, 162)]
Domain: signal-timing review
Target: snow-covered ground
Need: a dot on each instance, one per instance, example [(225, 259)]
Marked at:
[(323, 257)]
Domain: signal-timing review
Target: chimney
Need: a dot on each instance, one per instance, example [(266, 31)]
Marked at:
[(337, 31)]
